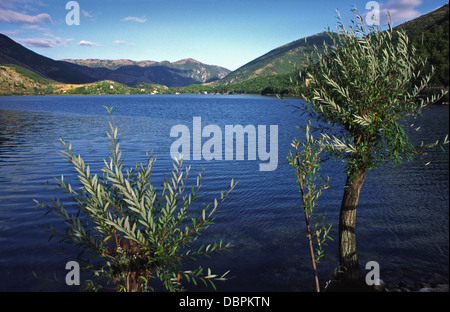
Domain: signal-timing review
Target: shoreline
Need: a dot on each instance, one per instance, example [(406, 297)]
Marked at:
[(435, 283)]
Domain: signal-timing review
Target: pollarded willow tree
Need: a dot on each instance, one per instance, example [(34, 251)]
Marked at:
[(363, 88)]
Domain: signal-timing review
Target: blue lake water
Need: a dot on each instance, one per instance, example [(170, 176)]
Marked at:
[(402, 217)]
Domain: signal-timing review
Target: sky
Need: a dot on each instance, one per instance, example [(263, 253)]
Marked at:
[(228, 33)]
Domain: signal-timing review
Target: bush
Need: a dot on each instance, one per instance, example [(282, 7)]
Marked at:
[(140, 232)]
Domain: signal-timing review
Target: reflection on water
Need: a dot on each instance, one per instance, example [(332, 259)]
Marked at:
[(402, 217)]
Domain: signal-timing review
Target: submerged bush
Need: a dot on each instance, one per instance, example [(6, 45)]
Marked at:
[(139, 231)]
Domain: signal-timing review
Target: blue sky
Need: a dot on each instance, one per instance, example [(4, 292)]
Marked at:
[(229, 33)]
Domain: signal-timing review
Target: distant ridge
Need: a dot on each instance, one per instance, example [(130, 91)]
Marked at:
[(190, 68), (109, 64), (187, 60), (179, 74)]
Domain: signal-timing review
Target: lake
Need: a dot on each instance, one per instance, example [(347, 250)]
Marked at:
[(402, 217)]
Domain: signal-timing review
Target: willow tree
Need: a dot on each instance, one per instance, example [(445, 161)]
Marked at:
[(362, 90), (139, 231)]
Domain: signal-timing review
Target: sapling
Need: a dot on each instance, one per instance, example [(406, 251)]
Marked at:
[(307, 162), (139, 231)]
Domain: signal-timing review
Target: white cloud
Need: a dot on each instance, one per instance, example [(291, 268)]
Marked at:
[(411, 2), (14, 3), (134, 19), (122, 42), (88, 43), (12, 17), (37, 42), (11, 32), (87, 14), (48, 43), (400, 10), (34, 27)]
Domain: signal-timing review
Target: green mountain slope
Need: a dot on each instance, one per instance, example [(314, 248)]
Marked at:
[(428, 33), (424, 22), (16, 80), (276, 62)]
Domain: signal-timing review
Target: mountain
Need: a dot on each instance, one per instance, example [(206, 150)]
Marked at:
[(425, 22), (132, 75), (199, 71), (428, 33), (278, 61), (14, 53), (109, 64), (189, 67), (18, 80), (178, 74)]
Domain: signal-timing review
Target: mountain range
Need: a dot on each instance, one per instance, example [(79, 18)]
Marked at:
[(429, 33), (177, 74)]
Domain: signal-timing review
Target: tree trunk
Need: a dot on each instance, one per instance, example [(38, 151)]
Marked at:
[(311, 252), (348, 258), (132, 282), (134, 268)]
